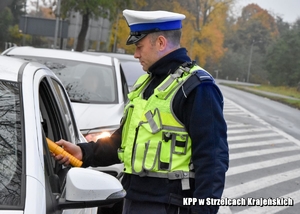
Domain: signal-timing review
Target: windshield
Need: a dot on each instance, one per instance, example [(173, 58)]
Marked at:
[(132, 70), (10, 145), (84, 82)]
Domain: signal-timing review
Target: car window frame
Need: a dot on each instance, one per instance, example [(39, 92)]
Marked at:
[(125, 88), (49, 100), (21, 144), (65, 105), (42, 60)]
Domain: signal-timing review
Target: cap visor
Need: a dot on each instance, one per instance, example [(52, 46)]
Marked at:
[(133, 39)]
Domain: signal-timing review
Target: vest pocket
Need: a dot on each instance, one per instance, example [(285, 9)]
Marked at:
[(138, 157), (151, 155), (145, 157), (153, 124), (180, 143)]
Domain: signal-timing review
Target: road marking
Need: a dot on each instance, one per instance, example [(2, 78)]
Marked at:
[(232, 109), (257, 184), (235, 113), (236, 125), (291, 138), (245, 137), (262, 152), (237, 135), (224, 210), (272, 209), (246, 130), (269, 142), (260, 165)]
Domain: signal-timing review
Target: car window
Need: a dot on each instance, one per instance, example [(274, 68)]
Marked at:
[(66, 110), (125, 87), (84, 82), (131, 66), (57, 123), (90, 83), (10, 145), (132, 70)]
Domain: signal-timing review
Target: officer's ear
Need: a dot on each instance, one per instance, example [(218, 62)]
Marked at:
[(161, 42)]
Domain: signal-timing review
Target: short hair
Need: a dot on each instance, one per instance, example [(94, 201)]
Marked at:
[(173, 36)]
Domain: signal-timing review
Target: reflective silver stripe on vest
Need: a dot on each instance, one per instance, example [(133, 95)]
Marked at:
[(174, 76), (170, 175), (173, 128), (136, 86), (176, 175), (154, 127)]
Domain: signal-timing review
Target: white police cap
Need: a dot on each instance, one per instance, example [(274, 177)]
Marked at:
[(142, 23)]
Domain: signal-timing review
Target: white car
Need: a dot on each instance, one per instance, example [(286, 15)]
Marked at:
[(131, 66), (96, 86), (34, 105)]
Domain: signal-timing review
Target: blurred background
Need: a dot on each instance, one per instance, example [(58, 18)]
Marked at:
[(240, 40)]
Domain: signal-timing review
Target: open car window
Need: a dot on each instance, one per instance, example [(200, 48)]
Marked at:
[(57, 122)]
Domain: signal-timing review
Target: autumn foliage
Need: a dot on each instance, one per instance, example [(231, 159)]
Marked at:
[(202, 35)]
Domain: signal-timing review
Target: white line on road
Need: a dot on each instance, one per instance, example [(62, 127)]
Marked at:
[(232, 110), (273, 209), (246, 130), (235, 113), (291, 138), (261, 165), (237, 125), (263, 152), (257, 184), (258, 143), (252, 136)]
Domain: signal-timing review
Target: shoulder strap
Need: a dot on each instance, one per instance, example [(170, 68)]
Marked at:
[(196, 78)]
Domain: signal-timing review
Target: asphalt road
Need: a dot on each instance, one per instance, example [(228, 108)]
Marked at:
[(264, 147), (277, 114)]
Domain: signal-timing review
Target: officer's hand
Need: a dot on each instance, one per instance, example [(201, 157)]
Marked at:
[(70, 148)]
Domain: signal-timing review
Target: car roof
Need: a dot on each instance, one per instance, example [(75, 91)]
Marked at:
[(58, 53), (9, 67), (120, 56)]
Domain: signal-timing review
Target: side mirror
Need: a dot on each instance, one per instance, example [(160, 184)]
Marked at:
[(89, 188)]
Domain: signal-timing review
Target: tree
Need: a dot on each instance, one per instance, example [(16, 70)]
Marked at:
[(15, 35), (91, 9), (249, 38), (6, 19), (4, 4), (282, 26), (17, 8), (283, 59), (43, 8), (203, 28)]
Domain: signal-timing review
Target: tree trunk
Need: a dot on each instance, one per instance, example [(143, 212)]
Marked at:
[(83, 32)]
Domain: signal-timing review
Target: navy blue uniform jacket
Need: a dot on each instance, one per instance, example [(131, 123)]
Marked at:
[(202, 114)]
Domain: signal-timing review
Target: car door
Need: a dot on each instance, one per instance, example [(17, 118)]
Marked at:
[(125, 87), (57, 122)]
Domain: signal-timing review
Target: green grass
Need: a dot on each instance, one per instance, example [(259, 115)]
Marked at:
[(283, 90), (286, 91)]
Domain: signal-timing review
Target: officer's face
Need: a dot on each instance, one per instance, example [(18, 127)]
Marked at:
[(147, 51)]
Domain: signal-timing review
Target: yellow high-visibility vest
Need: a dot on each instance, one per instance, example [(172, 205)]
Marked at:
[(154, 142)]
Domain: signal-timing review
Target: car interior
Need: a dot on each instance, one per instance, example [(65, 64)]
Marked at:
[(50, 127)]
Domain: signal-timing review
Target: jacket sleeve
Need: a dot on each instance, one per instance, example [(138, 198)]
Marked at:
[(104, 152), (205, 123)]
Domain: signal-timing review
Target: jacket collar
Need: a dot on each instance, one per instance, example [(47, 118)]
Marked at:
[(169, 63)]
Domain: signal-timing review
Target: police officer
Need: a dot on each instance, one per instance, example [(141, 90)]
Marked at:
[(173, 136)]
